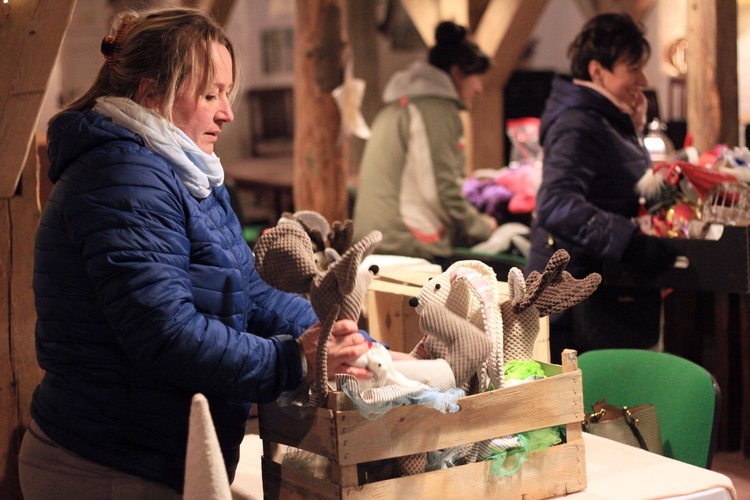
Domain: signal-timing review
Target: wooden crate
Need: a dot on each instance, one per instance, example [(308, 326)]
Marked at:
[(344, 437), (392, 320)]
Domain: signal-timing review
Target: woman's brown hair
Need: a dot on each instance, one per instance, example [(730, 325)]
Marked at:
[(163, 46)]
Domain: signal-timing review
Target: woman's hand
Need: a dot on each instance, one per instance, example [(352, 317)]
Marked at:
[(345, 345), (640, 107)]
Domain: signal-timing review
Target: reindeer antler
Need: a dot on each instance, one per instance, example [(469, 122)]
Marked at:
[(557, 290), (553, 290), (536, 283)]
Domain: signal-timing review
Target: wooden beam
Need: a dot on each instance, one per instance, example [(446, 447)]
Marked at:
[(362, 29), (320, 168), (31, 34), (19, 370), (636, 8), (503, 32), (711, 56), (427, 14)]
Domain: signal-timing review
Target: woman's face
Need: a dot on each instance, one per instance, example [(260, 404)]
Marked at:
[(625, 81), (201, 117), (467, 86)]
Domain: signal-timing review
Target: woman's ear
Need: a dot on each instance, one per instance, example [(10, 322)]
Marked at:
[(147, 94)]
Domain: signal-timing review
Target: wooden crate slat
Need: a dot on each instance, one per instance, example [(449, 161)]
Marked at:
[(556, 471), (536, 405), (311, 430)]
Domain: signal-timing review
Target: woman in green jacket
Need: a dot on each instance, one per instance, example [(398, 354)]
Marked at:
[(414, 163)]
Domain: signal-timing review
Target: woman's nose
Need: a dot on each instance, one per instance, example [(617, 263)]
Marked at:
[(642, 80), (225, 113)]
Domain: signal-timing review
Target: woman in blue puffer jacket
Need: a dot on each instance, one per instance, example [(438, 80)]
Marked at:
[(146, 292), (587, 202)]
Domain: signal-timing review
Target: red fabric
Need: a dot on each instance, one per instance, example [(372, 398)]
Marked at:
[(701, 178)]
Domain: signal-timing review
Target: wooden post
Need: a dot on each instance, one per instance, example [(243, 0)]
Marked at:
[(31, 33), (712, 107), (320, 173), (503, 33), (19, 371), (361, 27)]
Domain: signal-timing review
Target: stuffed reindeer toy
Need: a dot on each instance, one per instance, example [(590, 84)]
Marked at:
[(285, 259), (539, 295), (464, 322), (329, 241)]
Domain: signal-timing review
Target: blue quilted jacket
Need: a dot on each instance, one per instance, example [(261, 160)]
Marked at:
[(145, 296)]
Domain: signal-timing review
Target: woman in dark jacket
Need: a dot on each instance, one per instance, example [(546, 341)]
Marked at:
[(587, 202), (146, 292)]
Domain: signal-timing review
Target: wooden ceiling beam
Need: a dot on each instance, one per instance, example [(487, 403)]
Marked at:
[(504, 31), (31, 34), (427, 14), (636, 8)]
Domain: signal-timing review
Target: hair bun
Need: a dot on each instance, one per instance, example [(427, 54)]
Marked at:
[(450, 33)]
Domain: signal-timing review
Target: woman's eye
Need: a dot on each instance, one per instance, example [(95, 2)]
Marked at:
[(210, 97)]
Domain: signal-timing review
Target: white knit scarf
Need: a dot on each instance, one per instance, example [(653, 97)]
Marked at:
[(199, 171)]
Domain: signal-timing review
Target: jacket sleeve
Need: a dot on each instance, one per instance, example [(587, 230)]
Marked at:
[(445, 136), (130, 226), (574, 153)]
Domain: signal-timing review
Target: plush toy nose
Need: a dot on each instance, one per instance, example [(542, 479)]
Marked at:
[(374, 269), (414, 302)]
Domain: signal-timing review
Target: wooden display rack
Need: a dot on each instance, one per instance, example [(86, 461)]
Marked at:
[(348, 441)]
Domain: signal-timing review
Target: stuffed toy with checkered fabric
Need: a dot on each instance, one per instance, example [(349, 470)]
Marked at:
[(539, 295), (285, 259), (460, 318), (330, 241)]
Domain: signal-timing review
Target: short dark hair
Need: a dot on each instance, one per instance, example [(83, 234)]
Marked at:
[(453, 48), (606, 38)]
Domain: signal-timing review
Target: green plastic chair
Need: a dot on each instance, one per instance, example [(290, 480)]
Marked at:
[(686, 396)]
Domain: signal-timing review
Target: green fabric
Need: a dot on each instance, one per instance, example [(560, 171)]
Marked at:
[(519, 369), (683, 392), (507, 462)]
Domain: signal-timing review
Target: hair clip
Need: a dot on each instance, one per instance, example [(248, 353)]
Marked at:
[(111, 46)]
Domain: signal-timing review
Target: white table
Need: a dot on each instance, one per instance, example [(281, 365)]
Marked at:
[(613, 471), (617, 471)]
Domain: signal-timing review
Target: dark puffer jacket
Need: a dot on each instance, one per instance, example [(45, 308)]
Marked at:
[(586, 203), (592, 160), (146, 296)]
